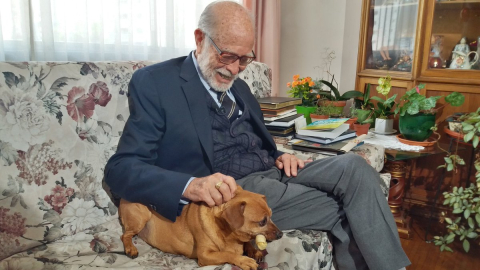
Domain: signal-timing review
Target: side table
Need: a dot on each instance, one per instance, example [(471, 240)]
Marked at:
[(397, 162)]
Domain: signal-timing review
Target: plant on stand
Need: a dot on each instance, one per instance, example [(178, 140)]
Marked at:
[(463, 224), (384, 111), (417, 112), (304, 88)]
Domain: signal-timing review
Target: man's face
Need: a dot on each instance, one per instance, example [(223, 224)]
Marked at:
[(218, 75)]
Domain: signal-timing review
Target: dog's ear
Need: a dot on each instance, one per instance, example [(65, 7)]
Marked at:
[(233, 215)]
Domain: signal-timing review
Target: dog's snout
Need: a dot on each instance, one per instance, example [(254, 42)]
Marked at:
[(279, 234)]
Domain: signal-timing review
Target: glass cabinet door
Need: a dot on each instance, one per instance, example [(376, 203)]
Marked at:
[(391, 35), (454, 42)]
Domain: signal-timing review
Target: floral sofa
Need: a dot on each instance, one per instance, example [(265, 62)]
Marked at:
[(59, 124)]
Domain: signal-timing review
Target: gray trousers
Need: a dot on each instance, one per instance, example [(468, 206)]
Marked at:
[(341, 195)]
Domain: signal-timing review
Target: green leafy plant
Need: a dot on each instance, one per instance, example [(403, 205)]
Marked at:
[(464, 222), (364, 102), (333, 94), (328, 109), (364, 116), (384, 106), (414, 102)]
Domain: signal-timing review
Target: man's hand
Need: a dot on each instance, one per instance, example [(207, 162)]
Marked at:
[(290, 164), (214, 189)]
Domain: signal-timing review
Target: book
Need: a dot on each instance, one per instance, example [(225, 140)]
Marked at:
[(278, 111), (279, 116), (278, 102), (333, 149), (345, 135), (280, 130), (284, 122), (329, 134), (326, 124)]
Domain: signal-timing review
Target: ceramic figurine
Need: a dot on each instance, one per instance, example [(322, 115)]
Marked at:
[(461, 56)]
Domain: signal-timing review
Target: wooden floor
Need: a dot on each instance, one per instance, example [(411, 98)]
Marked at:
[(427, 256)]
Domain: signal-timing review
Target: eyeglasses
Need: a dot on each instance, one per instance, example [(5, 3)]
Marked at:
[(229, 58)]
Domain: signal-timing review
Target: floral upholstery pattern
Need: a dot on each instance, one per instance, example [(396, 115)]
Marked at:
[(59, 124)]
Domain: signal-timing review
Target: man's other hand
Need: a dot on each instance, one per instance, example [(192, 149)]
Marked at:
[(214, 189), (289, 164)]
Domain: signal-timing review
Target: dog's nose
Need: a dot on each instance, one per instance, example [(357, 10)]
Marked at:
[(279, 234)]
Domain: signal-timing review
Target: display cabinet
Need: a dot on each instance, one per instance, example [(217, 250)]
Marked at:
[(423, 41)]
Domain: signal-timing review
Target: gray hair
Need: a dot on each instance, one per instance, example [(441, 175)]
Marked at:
[(207, 20)]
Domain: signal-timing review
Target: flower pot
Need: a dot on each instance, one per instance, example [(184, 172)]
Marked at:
[(338, 106), (318, 116), (416, 127), (306, 111), (350, 122), (361, 129), (383, 125)]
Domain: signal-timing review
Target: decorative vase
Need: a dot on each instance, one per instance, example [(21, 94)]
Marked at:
[(383, 125), (306, 111), (416, 127), (361, 129)]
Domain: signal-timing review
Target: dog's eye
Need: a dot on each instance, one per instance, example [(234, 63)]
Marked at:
[(263, 222)]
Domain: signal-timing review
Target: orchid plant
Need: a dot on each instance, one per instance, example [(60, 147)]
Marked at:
[(384, 106)]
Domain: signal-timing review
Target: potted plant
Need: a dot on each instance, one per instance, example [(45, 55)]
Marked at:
[(384, 111), (364, 119), (417, 113), (326, 110), (332, 96), (304, 88), (463, 224)]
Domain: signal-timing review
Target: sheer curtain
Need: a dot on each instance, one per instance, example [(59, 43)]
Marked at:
[(97, 30)]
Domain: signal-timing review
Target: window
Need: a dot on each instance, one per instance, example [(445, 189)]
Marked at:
[(97, 30)]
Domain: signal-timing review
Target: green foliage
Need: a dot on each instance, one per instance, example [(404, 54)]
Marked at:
[(334, 94), (414, 102), (464, 202), (385, 107), (364, 103), (364, 116), (329, 109)]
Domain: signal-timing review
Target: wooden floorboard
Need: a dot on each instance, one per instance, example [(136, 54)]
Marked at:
[(427, 256)]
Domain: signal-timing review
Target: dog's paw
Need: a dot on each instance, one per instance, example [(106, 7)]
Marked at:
[(247, 263), (131, 252), (258, 255)]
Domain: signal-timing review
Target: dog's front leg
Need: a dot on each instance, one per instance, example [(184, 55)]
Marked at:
[(210, 257), (252, 252)]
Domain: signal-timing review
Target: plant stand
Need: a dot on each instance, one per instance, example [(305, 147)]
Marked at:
[(397, 170)]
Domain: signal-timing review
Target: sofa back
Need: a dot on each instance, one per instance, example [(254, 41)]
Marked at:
[(59, 124)]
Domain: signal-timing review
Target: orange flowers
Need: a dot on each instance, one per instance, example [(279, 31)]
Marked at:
[(303, 88)]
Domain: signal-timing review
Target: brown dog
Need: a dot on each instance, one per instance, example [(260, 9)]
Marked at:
[(214, 235)]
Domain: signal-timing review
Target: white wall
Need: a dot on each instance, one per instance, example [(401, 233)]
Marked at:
[(310, 26)]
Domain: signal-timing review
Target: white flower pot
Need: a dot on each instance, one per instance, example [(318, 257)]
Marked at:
[(383, 125)]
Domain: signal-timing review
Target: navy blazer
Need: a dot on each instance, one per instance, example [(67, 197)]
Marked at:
[(167, 138)]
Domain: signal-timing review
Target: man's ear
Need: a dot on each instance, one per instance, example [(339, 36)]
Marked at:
[(199, 39), (233, 215)]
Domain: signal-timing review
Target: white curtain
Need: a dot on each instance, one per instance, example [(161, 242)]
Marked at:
[(97, 30)]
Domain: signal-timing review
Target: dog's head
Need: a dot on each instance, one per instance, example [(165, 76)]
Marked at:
[(248, 215)]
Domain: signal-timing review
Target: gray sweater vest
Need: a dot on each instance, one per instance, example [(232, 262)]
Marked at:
[(237, 150)]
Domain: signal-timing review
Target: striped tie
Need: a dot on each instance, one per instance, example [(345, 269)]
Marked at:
[(227, 106)]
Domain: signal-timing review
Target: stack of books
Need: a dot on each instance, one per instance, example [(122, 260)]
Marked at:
[(280, 114), (326, 136)]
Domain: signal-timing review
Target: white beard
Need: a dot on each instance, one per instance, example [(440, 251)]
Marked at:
[(209, 72)]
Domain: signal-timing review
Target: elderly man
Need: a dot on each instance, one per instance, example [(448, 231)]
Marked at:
[(194, 132)]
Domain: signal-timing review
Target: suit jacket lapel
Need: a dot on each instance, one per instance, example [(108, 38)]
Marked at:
[(195, 94)]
